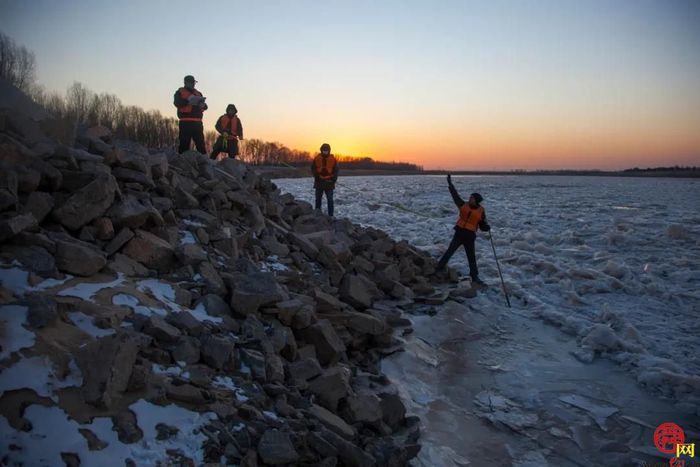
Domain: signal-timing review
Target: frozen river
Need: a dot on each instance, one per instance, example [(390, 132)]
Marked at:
[(604, 276)]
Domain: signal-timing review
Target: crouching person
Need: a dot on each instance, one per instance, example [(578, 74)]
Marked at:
[(230, 131)]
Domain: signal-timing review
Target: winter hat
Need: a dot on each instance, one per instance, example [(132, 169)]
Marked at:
[(478, 198), (326, 146)]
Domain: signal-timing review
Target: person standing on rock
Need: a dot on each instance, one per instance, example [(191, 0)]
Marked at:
[(190, 109), (231, 130), (325, 171), (472, 216)]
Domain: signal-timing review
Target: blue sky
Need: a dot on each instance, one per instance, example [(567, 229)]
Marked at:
[(499, 84)]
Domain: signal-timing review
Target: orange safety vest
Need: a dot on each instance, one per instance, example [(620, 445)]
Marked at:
[(325, 166), (230, 124), (469, 217), (188, 113)]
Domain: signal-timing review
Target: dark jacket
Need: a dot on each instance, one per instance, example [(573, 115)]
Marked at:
[(221, 129), (459, 202), (321, 183), (185, 111)]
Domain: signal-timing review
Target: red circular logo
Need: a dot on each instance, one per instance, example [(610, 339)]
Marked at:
[(666, 436)]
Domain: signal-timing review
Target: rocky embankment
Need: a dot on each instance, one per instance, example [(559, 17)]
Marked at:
[(158, 307)]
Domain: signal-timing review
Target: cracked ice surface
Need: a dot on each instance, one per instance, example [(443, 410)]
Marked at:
[(613, 262)]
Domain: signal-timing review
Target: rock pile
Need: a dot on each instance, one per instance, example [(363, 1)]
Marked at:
[(161, 307)]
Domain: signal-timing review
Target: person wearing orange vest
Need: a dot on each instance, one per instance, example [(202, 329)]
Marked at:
[(325, 171), (231, 130), (190, 109), (472, 216)]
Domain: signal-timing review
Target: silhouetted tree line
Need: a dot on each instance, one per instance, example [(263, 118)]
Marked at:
[(260, 152), (83, 107), (17, 64), (368, 163), (675, 168)]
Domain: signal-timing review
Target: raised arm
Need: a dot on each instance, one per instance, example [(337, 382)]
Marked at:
[(453, 191)]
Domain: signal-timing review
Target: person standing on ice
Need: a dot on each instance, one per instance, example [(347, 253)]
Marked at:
[(231, 130), (471, 216), (325, 171), (190, 110)]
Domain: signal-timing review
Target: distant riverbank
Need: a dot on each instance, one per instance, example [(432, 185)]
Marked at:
[(300, 172)]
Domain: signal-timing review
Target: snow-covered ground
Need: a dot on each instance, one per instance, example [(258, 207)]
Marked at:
[(614, 262)]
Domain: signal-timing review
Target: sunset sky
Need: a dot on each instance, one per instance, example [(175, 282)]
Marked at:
[(445, 84)]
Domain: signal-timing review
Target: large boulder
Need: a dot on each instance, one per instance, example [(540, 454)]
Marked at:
[(74, 180), (133, 176), (131, 212), (217, 351), (159, 164), (213, 281), (322, 335), (8, 188), (79, 258), (363, 323), (106, 365), (51, 177), (151, 251), (127, 159), (304, 244), (33, 257), (362, 408), (331, 387), (214, 305), (349, 454), (304, 369), (234, 170), (27, 179), (88, 203), (276, 448), (274, 368), (393, 410), (327, 303), (255, 360), (357, 290), (158, 328), (332, 421), (16, 224), (252, 290), (119, 241), (191, 254), (39, 204), (187, 350), (186, 323)]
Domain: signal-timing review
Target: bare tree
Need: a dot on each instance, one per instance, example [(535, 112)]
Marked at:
[(17, 64), (26, 69), (78, 99)]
